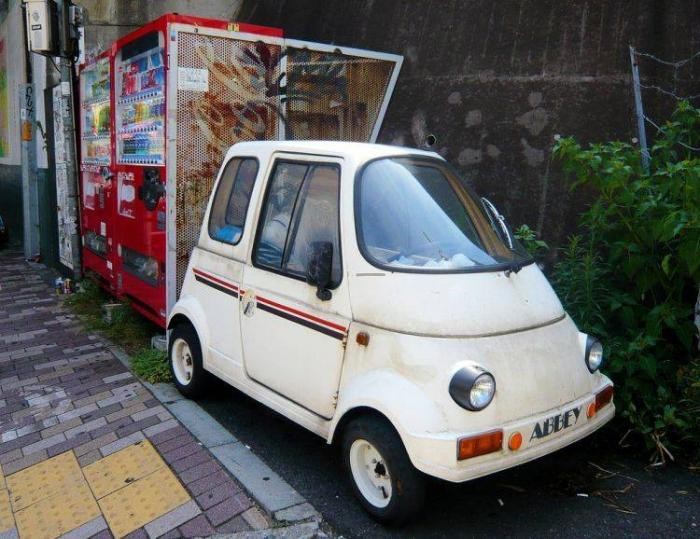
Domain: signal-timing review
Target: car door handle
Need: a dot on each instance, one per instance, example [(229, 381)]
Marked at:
[(249, 308)]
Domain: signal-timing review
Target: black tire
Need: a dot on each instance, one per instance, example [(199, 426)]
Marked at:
[(407, 484), (200, 379)]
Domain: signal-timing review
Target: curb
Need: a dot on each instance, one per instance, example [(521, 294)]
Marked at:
[(277, 497)]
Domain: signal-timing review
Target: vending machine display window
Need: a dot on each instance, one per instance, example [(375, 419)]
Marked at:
[(95, 135), (96, 243), (140, 85), (142, 266)]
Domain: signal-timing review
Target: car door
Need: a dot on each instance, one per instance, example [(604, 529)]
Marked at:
[(293, 342), (218, 263)]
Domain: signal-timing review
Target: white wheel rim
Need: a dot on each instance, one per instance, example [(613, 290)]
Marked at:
[(183, 363), (370, 473)]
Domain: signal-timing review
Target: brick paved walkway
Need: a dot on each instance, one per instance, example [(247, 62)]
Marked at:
[(65, 397)]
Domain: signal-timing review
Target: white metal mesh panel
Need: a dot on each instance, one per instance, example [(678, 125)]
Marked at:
[(239, 101), (333, 96)]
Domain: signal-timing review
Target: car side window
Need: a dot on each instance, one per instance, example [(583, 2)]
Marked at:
[(301, 207), (316, 219), (230, 206), (279, 204)]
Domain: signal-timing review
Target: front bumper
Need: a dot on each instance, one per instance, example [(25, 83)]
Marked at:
[(436, 454)]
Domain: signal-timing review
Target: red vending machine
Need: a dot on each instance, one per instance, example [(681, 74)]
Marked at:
[(139, 120), (185, 89), (141, 73), (97, 215)]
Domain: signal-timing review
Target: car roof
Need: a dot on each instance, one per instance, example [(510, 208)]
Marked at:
[(359, 150)]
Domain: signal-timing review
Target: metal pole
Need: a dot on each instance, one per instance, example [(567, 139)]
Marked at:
[(71, 229), (639, 107), (30, 187)]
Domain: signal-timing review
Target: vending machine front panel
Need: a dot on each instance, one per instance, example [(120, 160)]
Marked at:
[(96, 186), (140, 74)]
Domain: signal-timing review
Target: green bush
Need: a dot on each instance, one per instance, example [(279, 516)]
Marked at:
[(631, 277)]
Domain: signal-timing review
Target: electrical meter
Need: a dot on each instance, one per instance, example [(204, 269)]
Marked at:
[(41, 26)]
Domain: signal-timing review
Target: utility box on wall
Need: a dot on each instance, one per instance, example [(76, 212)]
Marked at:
[(42, 26)]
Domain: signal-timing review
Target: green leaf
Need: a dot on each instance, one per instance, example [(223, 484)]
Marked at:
[(665, 264)]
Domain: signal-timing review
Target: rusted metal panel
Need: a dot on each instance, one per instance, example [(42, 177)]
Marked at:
[(241, 102), (232, 88)]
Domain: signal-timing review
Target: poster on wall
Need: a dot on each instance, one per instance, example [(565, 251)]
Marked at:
[(12, 75), (4, 102), (66, 221)]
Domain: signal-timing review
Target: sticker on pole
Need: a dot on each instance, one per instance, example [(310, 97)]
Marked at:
[(192, 79)]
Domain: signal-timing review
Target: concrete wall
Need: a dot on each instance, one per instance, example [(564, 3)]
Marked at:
[(495, 81), (111, 19)]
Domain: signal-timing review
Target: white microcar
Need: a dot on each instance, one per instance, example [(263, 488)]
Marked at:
[(364, 292)]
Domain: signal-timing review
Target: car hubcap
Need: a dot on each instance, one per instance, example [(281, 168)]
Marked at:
[(370, 473), (183, 365)]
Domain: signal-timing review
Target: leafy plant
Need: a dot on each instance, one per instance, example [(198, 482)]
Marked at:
[(151, 365), (631, 276), (528, 237), (580, 277)]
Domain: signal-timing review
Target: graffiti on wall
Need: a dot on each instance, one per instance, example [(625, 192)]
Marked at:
[(67, 217)]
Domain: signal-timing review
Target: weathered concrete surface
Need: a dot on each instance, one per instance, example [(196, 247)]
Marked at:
[(111, 19), (495, 81)]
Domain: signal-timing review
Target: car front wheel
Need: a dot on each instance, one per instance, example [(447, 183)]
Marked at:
[(387, 485)]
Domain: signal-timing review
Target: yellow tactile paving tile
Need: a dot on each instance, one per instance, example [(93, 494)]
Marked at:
[(56, 475), (52, 517), (7, 521), (122, 468), (142, 501)]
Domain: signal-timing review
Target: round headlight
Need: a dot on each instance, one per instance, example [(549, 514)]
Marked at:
[(472, 387), (482, 391), (594, 354)]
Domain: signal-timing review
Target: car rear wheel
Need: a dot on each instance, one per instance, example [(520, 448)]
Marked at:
[(185, 357), (385, 482)]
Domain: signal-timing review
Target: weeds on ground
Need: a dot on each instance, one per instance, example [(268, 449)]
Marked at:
[(128, 329), (151, 365)]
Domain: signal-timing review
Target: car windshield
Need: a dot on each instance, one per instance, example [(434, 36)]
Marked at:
[(414, 214)]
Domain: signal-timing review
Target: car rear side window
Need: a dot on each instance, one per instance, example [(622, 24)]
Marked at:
[(301, 207), (230, 206)]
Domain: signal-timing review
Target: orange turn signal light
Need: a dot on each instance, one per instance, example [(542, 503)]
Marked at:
[(362, 338), (515, 441), (481, 444), (591, 411), (604, 397)]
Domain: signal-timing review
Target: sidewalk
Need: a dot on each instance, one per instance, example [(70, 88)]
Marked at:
[(87, 451)]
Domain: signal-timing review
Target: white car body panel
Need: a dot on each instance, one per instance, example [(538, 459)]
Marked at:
[(270, 336)]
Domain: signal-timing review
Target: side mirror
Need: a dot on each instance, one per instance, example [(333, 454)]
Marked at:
[(318, 272), (498, 222)]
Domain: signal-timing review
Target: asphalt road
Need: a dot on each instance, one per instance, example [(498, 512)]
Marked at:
[(564, 494)]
